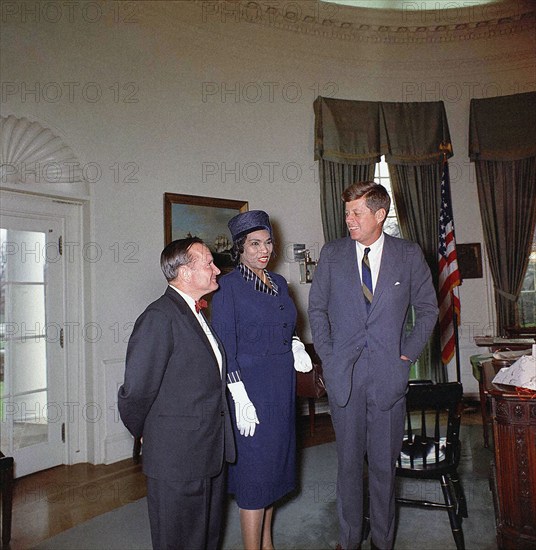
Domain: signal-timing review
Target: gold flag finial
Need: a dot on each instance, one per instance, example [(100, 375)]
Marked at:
[(445, 148)]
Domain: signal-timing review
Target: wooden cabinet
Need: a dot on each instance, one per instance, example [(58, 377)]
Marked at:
[(514, 431)]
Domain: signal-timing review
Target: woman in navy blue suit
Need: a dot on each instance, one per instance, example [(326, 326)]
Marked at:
[(255, 318)]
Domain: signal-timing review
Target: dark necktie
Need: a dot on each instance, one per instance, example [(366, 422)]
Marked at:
[(200, 304), (366, 276)]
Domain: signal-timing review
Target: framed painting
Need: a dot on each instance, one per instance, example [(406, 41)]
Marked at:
[(203, 217), (469, 260)]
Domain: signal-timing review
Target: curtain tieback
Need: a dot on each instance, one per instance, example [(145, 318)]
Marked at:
[(506, 295)]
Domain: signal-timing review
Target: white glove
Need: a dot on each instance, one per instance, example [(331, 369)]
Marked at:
[(302, 361), (246, 415)]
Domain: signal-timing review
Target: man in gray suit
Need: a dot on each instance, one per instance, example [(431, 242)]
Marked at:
[(363, 289), (174, 397)]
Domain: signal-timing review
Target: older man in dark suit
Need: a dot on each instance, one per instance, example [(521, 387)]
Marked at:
[(174, 398), (363, 290)]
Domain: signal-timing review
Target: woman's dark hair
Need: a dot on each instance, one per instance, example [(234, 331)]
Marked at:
[(238, 249), (175, 255)]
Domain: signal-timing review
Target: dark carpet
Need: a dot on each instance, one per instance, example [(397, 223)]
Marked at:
[(308, 519)]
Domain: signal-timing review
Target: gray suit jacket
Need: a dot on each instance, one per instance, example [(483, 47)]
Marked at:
[(341, 327), (173, 394)]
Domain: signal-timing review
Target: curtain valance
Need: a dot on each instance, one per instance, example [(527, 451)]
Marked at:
[(503, 128), (347, 131), (359, 132)]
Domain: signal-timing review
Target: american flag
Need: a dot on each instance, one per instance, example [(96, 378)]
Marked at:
[(449, 276)]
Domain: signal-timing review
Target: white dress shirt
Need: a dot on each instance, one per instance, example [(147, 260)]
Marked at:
[(204, 325)]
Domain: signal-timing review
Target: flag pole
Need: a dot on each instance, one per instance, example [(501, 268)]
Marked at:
[(456, 343)]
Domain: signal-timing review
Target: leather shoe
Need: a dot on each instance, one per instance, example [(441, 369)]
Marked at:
[(339, 547)]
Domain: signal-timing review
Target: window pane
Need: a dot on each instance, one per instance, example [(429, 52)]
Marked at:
[(391, 227), (22, 256), (24, 413), (528, 283), (29, 358), (381, 175), (527, 310), (27, 315), (526, 304), (30, 419)]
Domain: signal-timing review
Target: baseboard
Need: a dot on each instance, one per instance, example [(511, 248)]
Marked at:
[(118, 447)]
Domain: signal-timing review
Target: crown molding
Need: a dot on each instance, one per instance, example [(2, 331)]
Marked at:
[(378, 26)]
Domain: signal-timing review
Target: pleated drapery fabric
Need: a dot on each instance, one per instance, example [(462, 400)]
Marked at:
[(334, 178), (502, 144), (507, 197), (417, 195)]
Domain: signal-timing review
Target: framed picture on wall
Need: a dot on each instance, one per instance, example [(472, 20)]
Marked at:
[(469, 260), (203, 217)]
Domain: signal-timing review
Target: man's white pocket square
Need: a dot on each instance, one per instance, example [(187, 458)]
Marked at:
[(397, 283)]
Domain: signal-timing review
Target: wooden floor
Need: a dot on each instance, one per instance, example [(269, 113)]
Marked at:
[(49, 502)]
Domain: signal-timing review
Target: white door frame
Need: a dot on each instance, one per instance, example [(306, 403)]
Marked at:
[(74, 214)]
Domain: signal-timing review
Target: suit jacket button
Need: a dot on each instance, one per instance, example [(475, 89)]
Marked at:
[(285, 342), (281, 306), (222, 413)]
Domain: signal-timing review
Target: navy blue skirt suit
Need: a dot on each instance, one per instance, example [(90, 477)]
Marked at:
[(256, 325)]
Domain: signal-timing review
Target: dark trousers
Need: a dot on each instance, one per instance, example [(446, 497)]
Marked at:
[(361, 428), (186, 515)]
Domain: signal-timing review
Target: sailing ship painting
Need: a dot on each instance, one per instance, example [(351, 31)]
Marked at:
[(203, 217)]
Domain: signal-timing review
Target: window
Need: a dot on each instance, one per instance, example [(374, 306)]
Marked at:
[(381, 175), (526, 304)]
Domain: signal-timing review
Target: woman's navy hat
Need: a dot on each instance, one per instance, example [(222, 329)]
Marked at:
[(247, 222)]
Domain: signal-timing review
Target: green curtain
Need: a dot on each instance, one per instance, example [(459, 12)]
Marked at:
[(417, 194), (347, 132), (411, 133), (351, 136), (503, 128), (502, 144), (507, 197), (334, 178), (347, 146), (360, 132)]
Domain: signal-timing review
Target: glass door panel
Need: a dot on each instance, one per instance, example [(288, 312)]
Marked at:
[(30, 290)]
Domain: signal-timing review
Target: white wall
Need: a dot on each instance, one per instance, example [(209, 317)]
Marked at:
[(195, 98)]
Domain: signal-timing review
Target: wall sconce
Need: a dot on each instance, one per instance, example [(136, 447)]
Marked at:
[(307, 267)]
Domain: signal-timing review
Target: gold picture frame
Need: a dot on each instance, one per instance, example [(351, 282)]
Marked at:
[(203, 217)]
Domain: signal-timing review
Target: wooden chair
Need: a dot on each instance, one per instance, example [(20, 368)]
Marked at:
[(6, 503), (310, 385), (431, 448), (136, 450)]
